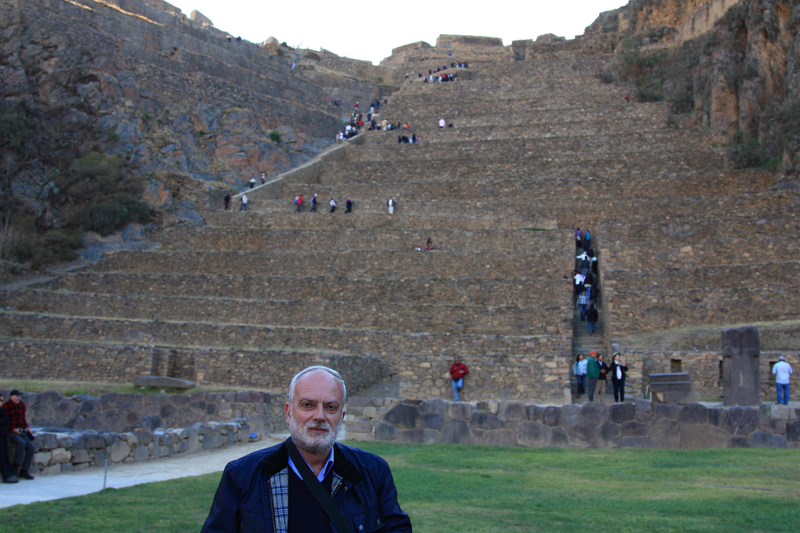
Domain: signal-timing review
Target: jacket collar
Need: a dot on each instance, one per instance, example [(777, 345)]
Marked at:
[(279, 460)]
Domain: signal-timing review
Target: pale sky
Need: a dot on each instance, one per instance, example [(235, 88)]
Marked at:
[(369, 30)]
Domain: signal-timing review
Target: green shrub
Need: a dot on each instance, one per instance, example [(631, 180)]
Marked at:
[(649, 94), (13, 130), (114, 137), (747, 152), (605, 76), (275, 135), (113, 213)]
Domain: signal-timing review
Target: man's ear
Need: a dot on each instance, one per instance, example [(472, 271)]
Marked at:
[(286, 410)]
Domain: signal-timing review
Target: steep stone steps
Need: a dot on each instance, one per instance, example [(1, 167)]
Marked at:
[(403, 317), (390, 264), (522, 291)]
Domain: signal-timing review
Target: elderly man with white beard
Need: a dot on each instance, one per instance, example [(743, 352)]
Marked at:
[(309, 483)]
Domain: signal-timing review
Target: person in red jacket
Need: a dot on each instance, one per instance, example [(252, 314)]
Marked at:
[(457, 371)]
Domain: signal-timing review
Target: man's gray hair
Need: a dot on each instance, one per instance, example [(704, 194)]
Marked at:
[(330, 371), (781, 358)]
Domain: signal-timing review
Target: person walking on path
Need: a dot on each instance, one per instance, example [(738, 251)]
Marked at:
[(391, 203), (580, 373), (227, 201), (244, 203), (348, 206), (618, 372), (583, 303), (20, 434), (591, 318), (782, 371), (314, 203), (578, 242), (298, 201), (592, 374), (601, 382), (457, 372), (252, 182), (333, 205)]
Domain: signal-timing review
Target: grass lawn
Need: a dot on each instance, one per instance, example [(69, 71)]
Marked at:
[(447, 489)]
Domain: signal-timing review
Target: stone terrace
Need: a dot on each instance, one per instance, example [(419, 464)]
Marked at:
[(536, 148)]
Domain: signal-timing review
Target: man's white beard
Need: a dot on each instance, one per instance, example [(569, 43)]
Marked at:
[(312, 442)]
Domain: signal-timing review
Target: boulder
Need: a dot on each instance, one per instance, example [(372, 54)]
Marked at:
[(695, 437), (693, 413), (161, 382), (499, 437), (608, 435), (417, 436), (532, 433), (551, 415), (433, 421), (635, 429), (534, 412), (666, 410), (622, 412), (584, 432), (594, 412), (559, 437), (511, 411), (459, 410), (386, 432), (434, 406), (665, 433), (483, 420), (403, 416), (741, 421), (569, 416), (456, 432), (762, 439)]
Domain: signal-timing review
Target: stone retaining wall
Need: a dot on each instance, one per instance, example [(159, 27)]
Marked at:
[(627, 425)]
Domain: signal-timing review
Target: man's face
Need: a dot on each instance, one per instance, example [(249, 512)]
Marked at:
[(15, 399), (315, 412)]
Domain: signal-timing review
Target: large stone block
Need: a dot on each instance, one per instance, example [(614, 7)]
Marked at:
[(434, 406), (739, 442), (645, 406), (741, 421), (741, 372), (777, 427), (433, 421), (459, 410), (511, 411), (695, 437), (665, 433), (151, 423), (386, 432), (484, 420), (569, 416), (666, 410), (793, 431), (608, 435), (499, 437), (119, 451), (417, 436), (559, 437), (594, 412), (584, 432), (403, 416), (762, 439), (534, 412), (60, 455), (531, 433), (716, 416), (456, 432), (622, 412), (635, 429), (108, 401), (79, 457), (551, 415), (693, 413), (64, 410), (635, 442)]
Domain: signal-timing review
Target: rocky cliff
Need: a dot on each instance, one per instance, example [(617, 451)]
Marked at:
[(173, 99), (732, 65)]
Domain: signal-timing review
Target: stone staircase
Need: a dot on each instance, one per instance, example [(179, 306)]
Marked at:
[(536, 148)]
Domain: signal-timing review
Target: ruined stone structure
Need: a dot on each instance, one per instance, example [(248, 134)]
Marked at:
[(538, 145)]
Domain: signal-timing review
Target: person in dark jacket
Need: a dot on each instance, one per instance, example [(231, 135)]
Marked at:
[(618, 371), (591, 318), (264, 491), (5, 468), (20, 434), (601, 382)]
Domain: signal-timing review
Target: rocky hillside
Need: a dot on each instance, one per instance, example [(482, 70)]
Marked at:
[(174, 103), (733, 66)]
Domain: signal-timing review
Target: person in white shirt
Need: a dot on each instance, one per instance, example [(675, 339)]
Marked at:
[(782, 371), (442, 123), (244, 203)]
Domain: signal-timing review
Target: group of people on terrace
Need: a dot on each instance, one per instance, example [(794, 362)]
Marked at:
[(584, 279), (438, 74), (299, 205), (592, 376)]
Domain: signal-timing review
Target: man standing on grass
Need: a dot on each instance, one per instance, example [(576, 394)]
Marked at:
[(309, 483)]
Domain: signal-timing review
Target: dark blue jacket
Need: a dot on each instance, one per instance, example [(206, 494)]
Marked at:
[(366, 497)]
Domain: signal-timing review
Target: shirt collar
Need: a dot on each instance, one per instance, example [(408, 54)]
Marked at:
[(324, 472)]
